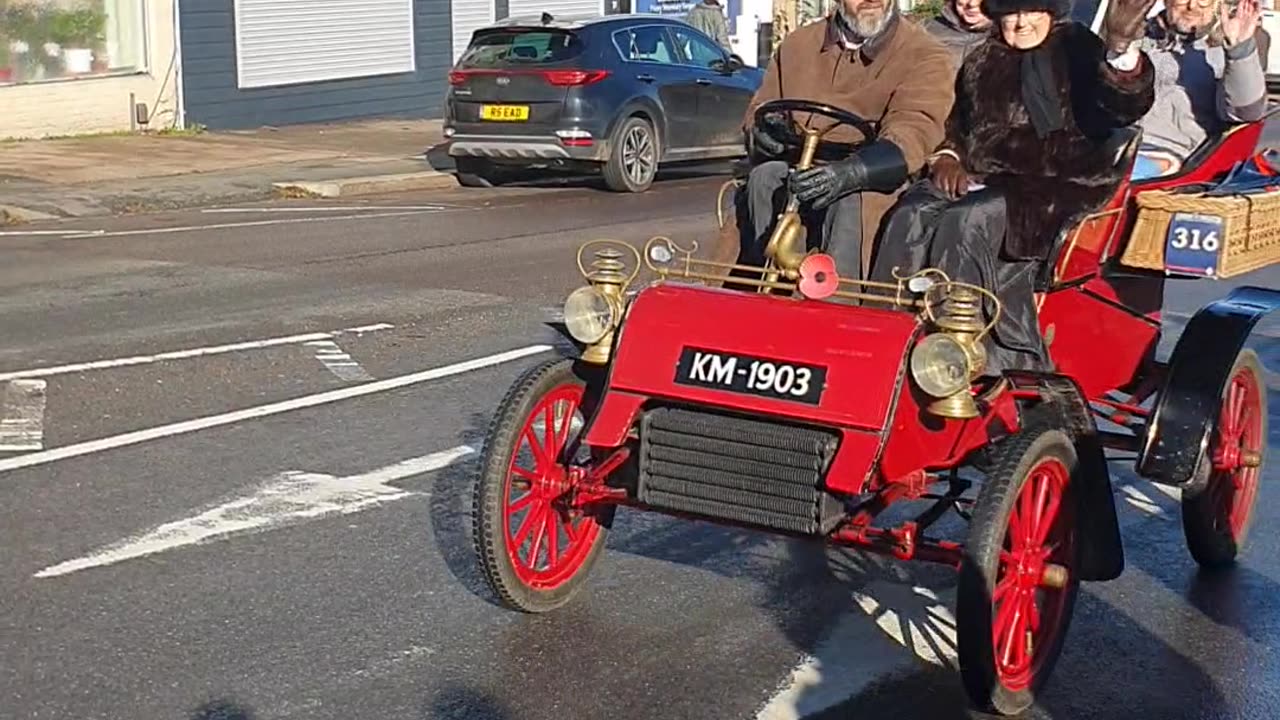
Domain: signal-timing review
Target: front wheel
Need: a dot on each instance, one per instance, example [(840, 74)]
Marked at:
[(633, 161), (1018, 582), (535, 550), (1216, 519)]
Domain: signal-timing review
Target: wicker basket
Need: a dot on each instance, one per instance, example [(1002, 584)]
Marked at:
[(1250, 237)]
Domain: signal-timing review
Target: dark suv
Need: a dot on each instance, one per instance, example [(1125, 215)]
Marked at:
[(619, 93)]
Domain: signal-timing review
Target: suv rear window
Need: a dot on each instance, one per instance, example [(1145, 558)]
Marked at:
[(504, 48)]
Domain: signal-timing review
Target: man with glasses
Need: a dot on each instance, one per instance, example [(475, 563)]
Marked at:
[(1208, 74)]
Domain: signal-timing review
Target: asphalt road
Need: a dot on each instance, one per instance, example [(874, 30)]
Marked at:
[(251, 529)]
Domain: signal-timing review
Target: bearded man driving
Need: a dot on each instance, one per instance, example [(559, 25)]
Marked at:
[(865, 59)]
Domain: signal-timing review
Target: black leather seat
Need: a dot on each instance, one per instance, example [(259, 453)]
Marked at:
[(1122, 147)]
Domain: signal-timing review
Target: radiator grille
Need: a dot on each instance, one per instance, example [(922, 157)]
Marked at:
[(743, 470)]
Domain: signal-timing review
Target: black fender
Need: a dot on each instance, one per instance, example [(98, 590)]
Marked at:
[(1177, 434), (1102, 548)]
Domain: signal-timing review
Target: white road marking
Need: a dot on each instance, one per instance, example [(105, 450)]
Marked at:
[(181, 354), (20, 233), (344, 208), (288, 497), (1174, 494), (22, 416), (1141, 500), (338, 362), (306, 401), (229, 225), (899, 627)]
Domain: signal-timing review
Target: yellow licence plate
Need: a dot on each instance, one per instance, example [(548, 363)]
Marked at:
[(504, 112)]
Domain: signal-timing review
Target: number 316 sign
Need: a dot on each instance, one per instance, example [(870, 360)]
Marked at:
[(1193, 243)]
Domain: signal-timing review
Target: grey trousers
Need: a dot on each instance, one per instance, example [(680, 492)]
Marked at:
[(835, 230)]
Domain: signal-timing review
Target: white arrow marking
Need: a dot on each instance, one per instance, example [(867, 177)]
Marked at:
[(288, 497), (22, 416)]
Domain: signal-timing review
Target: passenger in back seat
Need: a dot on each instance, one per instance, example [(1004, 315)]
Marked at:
[(1209, 75)]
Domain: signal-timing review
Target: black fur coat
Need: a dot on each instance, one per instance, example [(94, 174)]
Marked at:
[(1045, 180)]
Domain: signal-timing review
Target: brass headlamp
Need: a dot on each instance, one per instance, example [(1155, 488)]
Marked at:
[(945, 364), (592, 313)]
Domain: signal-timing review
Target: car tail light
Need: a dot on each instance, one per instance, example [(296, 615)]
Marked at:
[(457, 77), (575, 77)]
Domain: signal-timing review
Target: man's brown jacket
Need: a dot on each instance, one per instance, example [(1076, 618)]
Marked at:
[(903, 81)]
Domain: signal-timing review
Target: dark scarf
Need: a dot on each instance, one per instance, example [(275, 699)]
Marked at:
[(1040, 88)]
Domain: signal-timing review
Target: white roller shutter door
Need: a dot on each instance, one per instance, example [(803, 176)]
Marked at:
[(469, 16), (558, 8), (285, 42)]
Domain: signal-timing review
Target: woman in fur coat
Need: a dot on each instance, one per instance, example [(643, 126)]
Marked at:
[(1035, 104)]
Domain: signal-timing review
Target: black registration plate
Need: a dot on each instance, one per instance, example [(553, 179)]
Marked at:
[(752, 375)]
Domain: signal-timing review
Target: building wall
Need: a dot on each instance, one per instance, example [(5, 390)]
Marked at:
[(213, 99), (98, 104)]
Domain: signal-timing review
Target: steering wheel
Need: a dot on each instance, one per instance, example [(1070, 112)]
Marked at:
[(795, 140)]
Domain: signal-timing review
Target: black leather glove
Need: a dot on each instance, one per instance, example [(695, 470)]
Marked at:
[(763, 142), (879, 166)]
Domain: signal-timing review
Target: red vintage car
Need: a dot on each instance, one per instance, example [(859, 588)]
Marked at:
[(801, 404)]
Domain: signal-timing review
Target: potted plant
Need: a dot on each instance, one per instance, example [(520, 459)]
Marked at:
[(6, 61), (18, 22), (78, 32)]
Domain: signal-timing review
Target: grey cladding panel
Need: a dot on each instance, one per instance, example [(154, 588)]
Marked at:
[(214, 100)]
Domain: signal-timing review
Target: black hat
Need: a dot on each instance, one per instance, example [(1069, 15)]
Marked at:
[(995, 8)]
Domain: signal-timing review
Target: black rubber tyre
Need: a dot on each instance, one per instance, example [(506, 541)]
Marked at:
[(1211, 538), (1037, 447), (634, 142), (498, 545)]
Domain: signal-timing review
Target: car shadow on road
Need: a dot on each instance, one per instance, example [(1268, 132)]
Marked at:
[(458, 702), (222, 710), (450, 512)]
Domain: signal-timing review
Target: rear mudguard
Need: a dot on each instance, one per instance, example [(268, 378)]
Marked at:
[(1102, 550), (1178, 434)]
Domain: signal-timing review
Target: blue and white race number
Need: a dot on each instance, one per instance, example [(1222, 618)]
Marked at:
[(1193, 244)]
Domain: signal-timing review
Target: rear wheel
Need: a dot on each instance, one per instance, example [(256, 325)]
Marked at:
[(633, 159), (536, 551), (1018, 582), (1216, 520)]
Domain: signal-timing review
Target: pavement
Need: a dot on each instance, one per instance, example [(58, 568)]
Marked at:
[(245, 494), (111, 174)]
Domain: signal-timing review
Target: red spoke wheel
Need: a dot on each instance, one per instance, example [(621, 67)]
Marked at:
[(1216, 519), (536, 551), (1018, 582)]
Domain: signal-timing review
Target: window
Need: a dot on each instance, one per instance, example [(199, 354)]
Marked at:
[(697, 49), (54, 39), (520, 47), (645, 44)]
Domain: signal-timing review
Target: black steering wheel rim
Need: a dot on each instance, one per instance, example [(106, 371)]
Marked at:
[(787, 105)]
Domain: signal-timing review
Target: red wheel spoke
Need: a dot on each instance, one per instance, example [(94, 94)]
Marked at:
[(530, 475), (520, 504), (537, 538), (530, 520), (1027, 511), (1005, 614), (1008, 634), (553, 538), (1048, 518), (539, 454), (562, 439), (1018, 636), (549, 433), (1002, 588)]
